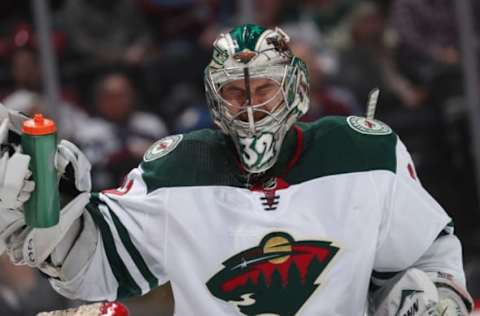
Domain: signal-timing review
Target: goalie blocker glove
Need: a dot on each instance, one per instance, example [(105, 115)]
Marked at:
[(416, 293)]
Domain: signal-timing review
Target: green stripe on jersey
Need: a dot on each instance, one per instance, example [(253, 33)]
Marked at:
[(384, 275), (127, 286), (133, 251)]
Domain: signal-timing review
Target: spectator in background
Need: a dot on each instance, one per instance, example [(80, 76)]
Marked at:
[(326, 98), (115, 140), (331, 17), (269, 13), (368, 54), (428, 37), (428, 53), (27, 95), (26, 72), (105, 31), (182, 33)]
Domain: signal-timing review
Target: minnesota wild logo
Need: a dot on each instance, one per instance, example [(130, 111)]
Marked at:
[(275, 278), (369, 127), (162, 147)]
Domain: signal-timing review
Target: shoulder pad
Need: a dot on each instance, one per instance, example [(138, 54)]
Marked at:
[(333, 146), (194, 159)]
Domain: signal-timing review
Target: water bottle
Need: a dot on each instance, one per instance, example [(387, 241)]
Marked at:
[(39, 141)]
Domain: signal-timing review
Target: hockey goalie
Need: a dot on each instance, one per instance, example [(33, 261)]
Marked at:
[(263, 216)]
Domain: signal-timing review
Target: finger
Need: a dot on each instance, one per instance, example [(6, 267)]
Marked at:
[(23, 197), (28, 186), (74, 153), (16, 118), (3, 167), (69, 145), (62, 158), (4, 131), (16, 121)]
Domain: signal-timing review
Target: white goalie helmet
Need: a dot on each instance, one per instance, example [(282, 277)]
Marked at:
[(256, 90)]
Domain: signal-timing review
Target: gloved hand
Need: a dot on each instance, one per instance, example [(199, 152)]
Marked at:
[(417, 293), (70, 155), (453, 299), (449, 307), (27, 245), (16, 188)]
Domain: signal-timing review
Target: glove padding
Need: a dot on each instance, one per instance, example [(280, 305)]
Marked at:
[(15, 189), (26, 245), (32, 246), (68, 153), (454, 300), (414, 293), (15, 119)]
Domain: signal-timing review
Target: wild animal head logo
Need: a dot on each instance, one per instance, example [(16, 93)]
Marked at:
[(276, 278), (245, 56)]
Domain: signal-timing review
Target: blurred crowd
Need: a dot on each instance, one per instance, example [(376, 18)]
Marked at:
[(131, 72)]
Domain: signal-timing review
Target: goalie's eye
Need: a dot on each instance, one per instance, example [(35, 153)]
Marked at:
[(234, 95), (266, 91), (259, 91)]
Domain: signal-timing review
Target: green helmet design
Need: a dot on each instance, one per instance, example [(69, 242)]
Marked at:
[(249, 52)]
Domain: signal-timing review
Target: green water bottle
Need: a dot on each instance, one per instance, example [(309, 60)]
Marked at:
[(39, 140)]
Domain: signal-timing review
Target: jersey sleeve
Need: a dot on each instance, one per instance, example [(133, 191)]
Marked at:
[(412, 219), (128, 259)]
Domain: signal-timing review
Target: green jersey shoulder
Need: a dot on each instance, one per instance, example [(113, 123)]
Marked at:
[(332, 145), (337, 145), (202, 157)]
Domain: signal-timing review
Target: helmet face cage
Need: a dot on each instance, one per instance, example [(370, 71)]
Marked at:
[(258, 133)]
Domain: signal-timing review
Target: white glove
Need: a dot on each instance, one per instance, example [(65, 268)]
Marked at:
[(68, 153), (450, 307), (32, 246), (411, 293), (414, 293), (15, 118), (15, 189), (454, 300), (26, 245)]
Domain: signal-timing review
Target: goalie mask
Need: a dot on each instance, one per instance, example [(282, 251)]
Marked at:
[(256, 90)]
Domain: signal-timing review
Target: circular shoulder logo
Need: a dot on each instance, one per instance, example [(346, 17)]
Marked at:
[(369, 127), (162, 147)]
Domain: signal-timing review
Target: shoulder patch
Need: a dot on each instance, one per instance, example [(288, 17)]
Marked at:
[(370, 127), (162, 147)]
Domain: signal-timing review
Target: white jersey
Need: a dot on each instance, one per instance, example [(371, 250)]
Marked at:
[(342, 202)]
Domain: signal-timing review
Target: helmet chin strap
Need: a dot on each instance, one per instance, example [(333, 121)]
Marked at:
[(251, 120)]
